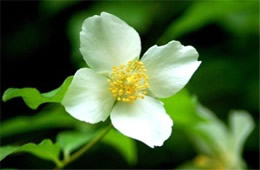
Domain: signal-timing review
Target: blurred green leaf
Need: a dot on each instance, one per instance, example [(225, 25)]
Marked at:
[(47, 7), (199, 15), (195, 17), (72, 140), (242, 21), (50, 117), (125, 145), (221, 147), (33, 98), (182, 109), (45, 150), (242, 125)]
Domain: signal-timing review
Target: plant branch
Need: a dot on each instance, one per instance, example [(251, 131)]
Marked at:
[(84, 148)]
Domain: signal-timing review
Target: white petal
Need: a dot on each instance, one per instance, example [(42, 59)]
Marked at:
[(144, 120), (242, 125), (170, 67), (88, 97), (107, 41)]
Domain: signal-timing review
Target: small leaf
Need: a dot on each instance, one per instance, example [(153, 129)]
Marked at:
[(33, 98), (45, 150), (126, 146), (70, 141)]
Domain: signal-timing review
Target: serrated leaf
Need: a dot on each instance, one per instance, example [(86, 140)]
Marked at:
[(6, 150), (45, 150), (126, 146), (72, 140), (33, 98), (53, 116)]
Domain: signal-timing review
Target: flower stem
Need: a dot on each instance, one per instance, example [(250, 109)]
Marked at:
[(84, 148)]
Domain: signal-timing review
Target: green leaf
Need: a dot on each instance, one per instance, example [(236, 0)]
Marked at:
[(45, 150), (51, 8), (72, 140), (53, 116), (126, 146), (33, 98), (199, 15), (242, 124), (182, 109), (6, 150), (243, 20)]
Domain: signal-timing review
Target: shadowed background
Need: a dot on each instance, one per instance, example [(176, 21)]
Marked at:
[(40, 48)]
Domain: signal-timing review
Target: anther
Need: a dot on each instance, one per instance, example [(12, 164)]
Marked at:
[(128, 82)]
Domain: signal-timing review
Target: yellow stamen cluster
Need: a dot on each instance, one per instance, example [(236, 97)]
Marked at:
[(129, 82)]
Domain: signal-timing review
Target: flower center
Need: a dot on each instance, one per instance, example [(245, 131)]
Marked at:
[(129, 82)]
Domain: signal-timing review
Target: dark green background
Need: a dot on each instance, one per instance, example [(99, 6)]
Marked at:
[(38, 50)]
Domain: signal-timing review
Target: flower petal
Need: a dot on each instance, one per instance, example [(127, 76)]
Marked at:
[(144, 120), (107, 41), (88, 97), (170, 67)]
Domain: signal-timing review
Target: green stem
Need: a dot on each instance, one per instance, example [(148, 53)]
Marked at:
[(85, 148)]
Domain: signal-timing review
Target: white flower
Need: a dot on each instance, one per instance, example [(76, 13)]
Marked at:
[(119, 85)]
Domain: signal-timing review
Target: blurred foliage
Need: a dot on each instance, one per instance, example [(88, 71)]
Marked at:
[(71, 140), (222, 148), (239, 17), (218, 146), (226, 35), (68, 141), (45, 119), (182, 109), (51, 8), (126, 146)]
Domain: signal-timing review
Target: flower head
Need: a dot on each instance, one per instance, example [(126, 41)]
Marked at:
[(120, 84)]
